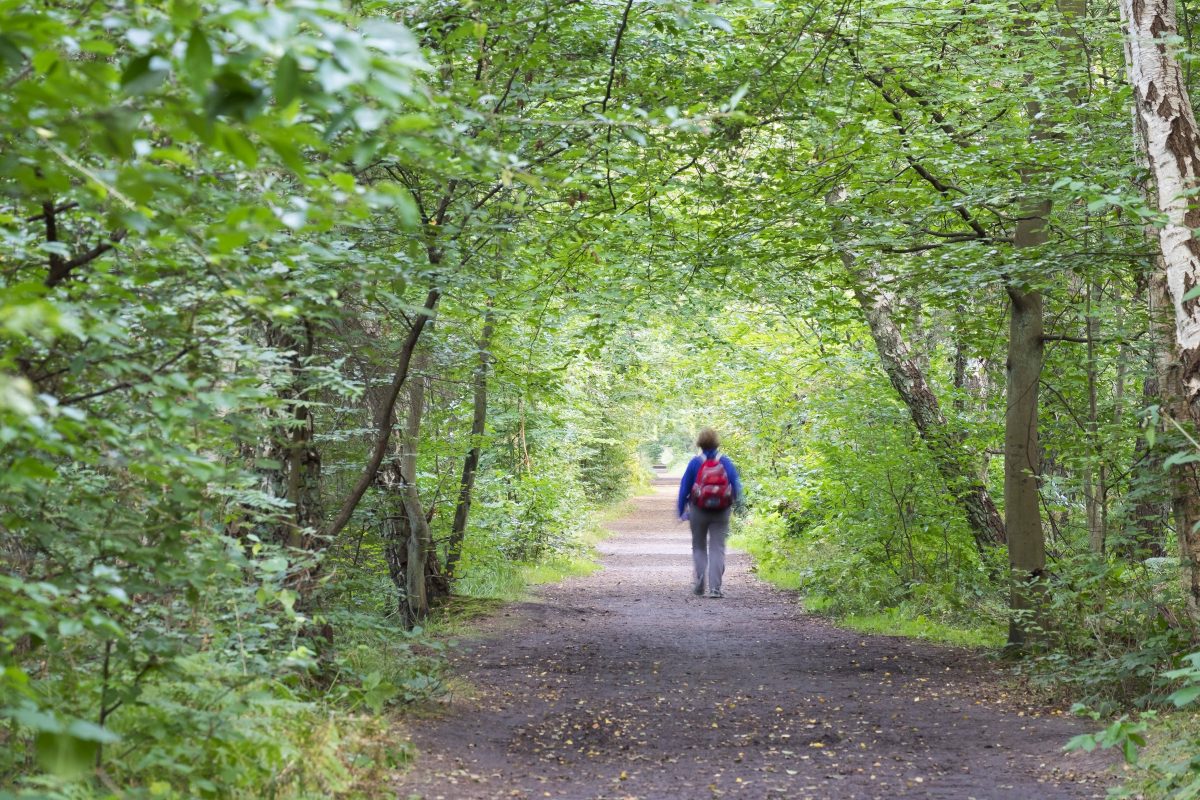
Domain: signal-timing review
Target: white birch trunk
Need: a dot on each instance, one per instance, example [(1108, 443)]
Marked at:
[(1168, 125)]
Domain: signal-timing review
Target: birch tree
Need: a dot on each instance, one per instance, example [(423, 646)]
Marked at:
[(1168, 125)]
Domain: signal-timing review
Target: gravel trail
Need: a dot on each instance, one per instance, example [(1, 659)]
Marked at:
[(623, 686)]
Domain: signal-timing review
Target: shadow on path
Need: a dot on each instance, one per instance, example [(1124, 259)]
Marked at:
[(623, 685)]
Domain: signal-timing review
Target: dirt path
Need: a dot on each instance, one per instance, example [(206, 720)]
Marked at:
[(624, 685)]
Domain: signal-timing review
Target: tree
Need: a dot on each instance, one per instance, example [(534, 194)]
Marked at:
[(1167, 122)]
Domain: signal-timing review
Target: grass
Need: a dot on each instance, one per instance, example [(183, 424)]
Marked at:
[(509, 582), (560, 569), (457, 614), (894, 622), (506, 581), (773, 570)]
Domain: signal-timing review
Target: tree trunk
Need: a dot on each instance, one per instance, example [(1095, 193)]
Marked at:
[(1168, 124), (408, 547), (526, 462), (395, 530), (471, 463), (960, 364), (1022, 449), (1183, 479), (953, 461), (1022, 514), (416, 597), (1153, 509)]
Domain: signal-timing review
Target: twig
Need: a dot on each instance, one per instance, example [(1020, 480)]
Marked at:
[(116, 387), (54, 210)]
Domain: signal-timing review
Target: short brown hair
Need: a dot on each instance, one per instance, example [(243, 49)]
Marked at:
[(707, 439)]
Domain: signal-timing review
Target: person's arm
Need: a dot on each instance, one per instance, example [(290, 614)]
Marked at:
[(685, 488), (735, 480)]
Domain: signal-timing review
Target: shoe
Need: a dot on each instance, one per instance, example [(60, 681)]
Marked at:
[(716, 594), (698, 588)]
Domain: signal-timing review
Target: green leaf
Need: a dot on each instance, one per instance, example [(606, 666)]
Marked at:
[(738, 95), (1084, 741), (198, 59), (287, 599), (287, 80), (118, 128), (234, 96), (284, 147), (33, 719), (407, 123), (31, 468), (237, 145), (101, 47), (1191, 294), (1129, 749), (10, 54), (64, 754), (274, 565), (1177, 459), (463, 32), (69, 627), (91, 732), (718, 22), (144, 74), (44, 61), (1185, 696)]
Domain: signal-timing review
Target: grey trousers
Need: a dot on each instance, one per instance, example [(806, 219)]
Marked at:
[(709, 529)]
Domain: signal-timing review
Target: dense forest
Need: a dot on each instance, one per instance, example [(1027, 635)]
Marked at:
[(323, 320)]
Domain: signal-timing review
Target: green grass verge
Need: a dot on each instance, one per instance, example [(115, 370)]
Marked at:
[(894, 622), (560, 569), (511, 582), (507, 581)]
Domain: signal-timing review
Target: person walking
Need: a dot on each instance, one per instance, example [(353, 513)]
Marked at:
[(709, 488)]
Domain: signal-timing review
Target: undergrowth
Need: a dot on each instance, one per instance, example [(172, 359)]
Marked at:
[(486, 576), (850, 596)]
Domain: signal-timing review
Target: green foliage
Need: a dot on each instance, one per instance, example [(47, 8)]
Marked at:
[(1161, 750), (1109, 637), (172, 179), (217, 222)]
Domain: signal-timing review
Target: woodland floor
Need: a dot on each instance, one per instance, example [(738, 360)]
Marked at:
[(624, 685)]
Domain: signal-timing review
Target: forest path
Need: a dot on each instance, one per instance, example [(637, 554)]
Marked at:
[(624, 685)]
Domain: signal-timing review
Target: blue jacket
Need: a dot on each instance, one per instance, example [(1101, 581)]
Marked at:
[(689, 478)]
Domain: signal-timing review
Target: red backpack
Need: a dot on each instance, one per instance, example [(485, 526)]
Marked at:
[(712, 490)]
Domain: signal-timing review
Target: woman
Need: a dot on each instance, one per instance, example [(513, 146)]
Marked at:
[(709, 488)]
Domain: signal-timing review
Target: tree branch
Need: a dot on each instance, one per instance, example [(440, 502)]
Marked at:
[(384, 423), (612, 59), (55, 210), (116, 387), (60, 270)]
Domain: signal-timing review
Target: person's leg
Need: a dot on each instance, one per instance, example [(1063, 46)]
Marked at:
[(699, 522), (718, 529)]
